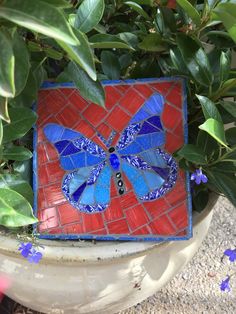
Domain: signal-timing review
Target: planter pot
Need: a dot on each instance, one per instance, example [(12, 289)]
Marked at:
[(83, 277)]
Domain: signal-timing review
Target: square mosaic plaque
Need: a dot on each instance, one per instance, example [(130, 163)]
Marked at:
[(108, 173)]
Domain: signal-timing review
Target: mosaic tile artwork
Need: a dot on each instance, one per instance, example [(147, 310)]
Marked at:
[(108, 173)]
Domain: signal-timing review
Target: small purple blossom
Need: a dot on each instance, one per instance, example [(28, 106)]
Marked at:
[(25, 249), (224, 285), (199, 177), (34, 256), (231, 254)]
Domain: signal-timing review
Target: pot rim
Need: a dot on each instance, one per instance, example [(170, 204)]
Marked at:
[(89, 252)]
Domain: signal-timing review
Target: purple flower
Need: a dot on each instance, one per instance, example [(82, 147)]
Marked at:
[(34, 256), (231, 254), (224, 285), (25, 249), (199, 177)]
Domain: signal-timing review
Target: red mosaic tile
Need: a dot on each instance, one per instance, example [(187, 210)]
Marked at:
[(67, 91), (162, 226), (54, 170), (92, 222), (118, 227), (42, 156), (173, 142), (142, 231), (41, 199), (53, 194), (50, 151), (136, 217), (171, 117), (132, 101), (94, 114), (79, 103), (73, 229), (175, 99), (157, 208), (68, 116), (179, 216), (84, 128), (163, 87), (178, 194), (68, 214), (114, 210), (128, 200), (112, 97), (104, 130), (48, 218), (42, 172), (144, 90), (118, 124)]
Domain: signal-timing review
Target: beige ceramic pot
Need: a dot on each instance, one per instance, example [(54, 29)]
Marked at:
[(83, 277)]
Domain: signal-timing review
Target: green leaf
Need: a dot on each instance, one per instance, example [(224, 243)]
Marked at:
[(207, 143), (19, 153), (136, 7), (1, 132), (22, 62), (38, 16), (29, 93), (225, 166), (209, 108), (221, 39), (215, 129), (15, 210), (200, 200), (195, 59), (81, 54), (59, 3), (178, 61), (22, 120), (226, 12), (108, 41), (110, 65), (7, 65), (225, 63), (89, 14), (130, 38), (24, 168), (190, 11), (229, 106), (4, 115), (153, 42), (225, 183), (230, 135), (16, 183), (192, 153), (53, 53), (88, 88)]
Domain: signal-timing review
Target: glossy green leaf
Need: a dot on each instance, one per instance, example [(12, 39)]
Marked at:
[(59, 3), (215, 129), (207, 143), (229, 106), (230, 135), (130, 38), (209, 108), (16, 183), (225, 183), (89, 14), (24, 168), (38, 16), (7, 65), (88, 88), (15, 210), (153, 42), (108, 41), (110, 65), (192, 153), (224, 166), (200, 200), (225, 62), (29, 93), (81, 54), (1, 132), (220, 39), (22, 120), (22, 62), (136, 7), (19, 153), (4, 115), (53, 53), (178, 61), (190, 11), (226, 12), (195, 59)]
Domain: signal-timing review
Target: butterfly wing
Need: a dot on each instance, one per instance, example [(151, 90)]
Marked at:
[(145, 129), (75, 150), (151, 179)]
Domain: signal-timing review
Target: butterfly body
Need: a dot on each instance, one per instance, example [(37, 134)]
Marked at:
[(137, 156)]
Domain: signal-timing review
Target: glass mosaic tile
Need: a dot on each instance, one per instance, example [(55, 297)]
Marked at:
[(108, 173)]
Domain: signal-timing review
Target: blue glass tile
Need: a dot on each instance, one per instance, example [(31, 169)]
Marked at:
[(153, 158), (145, 141), (76, 195), (131, 172), (93, 160), (114, 161), (156, 121), (158, 139), (78, 160), (163, 172), (70, 149), (67, 163), (70, 134), (105, 176), (61, 145), (53, 132), (153, 180), (133, 148), (139, 116), (154, 104), (148, 128), (140, 187), (102, 195), (75, 182), (87, 197)]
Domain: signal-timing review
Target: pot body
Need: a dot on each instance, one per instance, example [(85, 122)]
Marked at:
[(106, 277)]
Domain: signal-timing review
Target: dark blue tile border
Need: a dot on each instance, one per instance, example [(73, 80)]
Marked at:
[(50, 85)]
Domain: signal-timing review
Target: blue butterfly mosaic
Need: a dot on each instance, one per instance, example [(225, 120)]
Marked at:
[(151, 171)]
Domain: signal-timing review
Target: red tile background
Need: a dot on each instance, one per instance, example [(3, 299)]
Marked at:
[(164, 217)]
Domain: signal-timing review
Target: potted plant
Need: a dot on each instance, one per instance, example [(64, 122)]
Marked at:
[(88, 41)]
